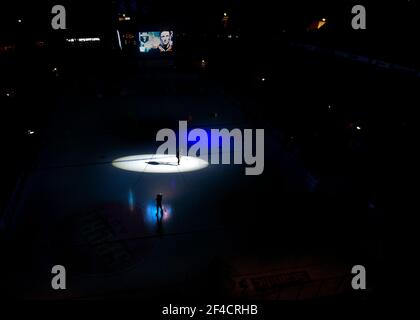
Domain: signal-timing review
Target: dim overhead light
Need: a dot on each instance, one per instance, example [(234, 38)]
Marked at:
[(323, 19), (225, 14), (358, 128)]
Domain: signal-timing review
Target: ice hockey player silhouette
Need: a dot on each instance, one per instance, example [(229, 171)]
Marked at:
[(159, 197)]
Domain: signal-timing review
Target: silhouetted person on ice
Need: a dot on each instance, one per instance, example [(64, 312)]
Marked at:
[(159, 197), (178, 156)]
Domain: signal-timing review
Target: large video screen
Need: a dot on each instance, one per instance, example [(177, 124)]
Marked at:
[(156, 41)]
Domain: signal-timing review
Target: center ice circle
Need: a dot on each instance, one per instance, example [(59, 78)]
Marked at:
[(159, 163)]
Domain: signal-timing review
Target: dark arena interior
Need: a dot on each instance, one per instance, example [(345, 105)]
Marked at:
[(85, 87)]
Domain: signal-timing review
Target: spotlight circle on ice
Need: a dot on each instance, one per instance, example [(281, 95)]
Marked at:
[(159, 163)]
